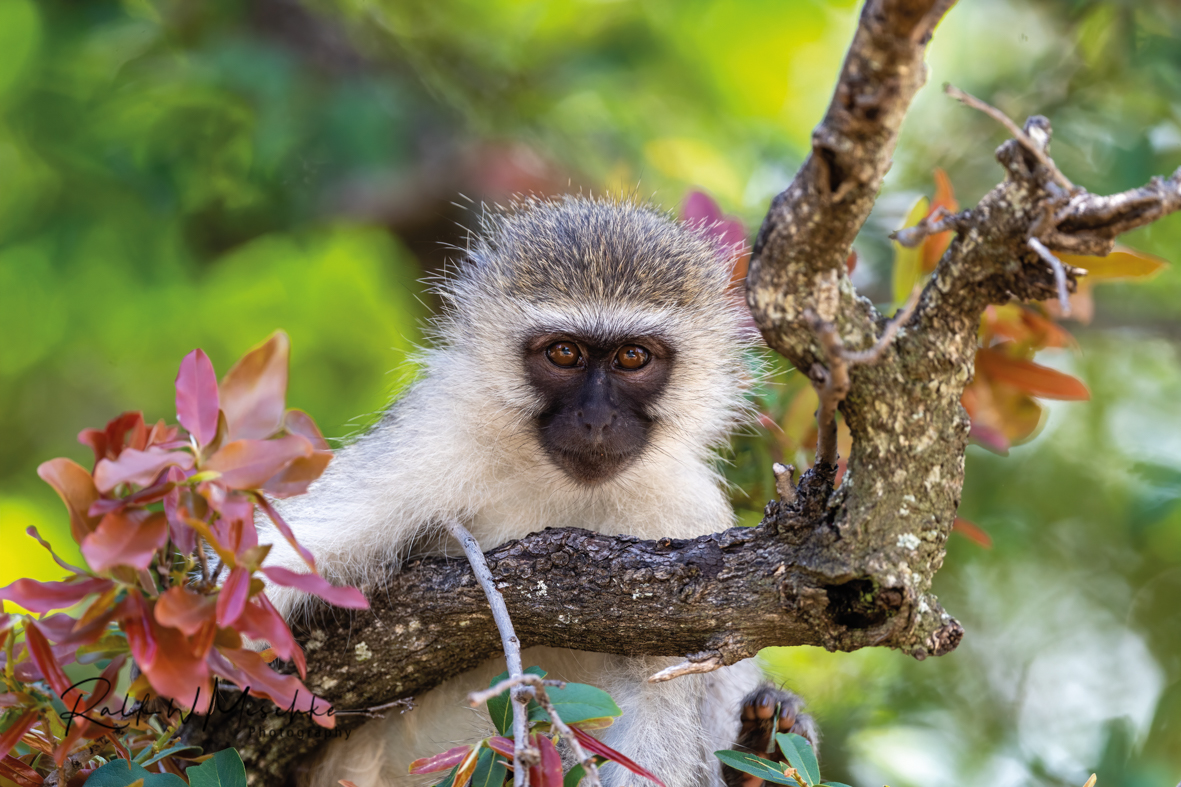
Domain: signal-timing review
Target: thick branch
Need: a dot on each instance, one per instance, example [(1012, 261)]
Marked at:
[(570, 588), (798, 260)]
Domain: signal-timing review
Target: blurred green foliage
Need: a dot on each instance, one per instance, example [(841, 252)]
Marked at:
[(177, 174)]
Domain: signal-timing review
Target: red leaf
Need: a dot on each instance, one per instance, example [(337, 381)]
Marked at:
[(548, 771), (296, 477), (104, 693), (254, 391), (443, 761), (45, 596), (249, 464), (109, 442), (299, 422), (934, 246), (282, 526), (595, 746), (181, 608), (992, 439), (1030, 377), (184, 538), (16, 771), (76, 489), (135, 619), (42, 656), (260, 620), (138, 467), (698, 209), (231, 599), (177, 671), (234, 529), (247, 668), (972, 532), (347, 597), (851, 262), (159, 489), (502, 746), (14, 733), (126, 538), (32, 531), (196, 397), (74, 632)]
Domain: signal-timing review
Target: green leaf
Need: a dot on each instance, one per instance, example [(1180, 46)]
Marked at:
[(447, 782), (180, 748), (833, 784), (120, 773), (574, 776), (800, 756), (501, 709), (755, 766), (491, 770), (908, 263), (577, 702), (224, 769)]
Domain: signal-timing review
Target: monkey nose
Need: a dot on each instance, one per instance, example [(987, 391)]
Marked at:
[(597, 421)]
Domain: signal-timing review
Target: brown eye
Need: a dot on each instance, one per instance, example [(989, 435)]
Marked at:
[(563, 354), (631, 356)]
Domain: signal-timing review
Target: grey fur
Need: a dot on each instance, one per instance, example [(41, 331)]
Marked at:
[(461, 443)]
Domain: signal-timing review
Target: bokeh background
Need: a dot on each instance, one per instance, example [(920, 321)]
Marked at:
[(184, 173)]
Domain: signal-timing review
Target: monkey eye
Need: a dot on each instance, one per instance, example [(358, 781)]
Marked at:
[(631, 356), (564, 354)]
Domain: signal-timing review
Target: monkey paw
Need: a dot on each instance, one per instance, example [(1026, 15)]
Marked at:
[(766, 711)]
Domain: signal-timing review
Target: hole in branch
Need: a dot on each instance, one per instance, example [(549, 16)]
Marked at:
[(860, 604)]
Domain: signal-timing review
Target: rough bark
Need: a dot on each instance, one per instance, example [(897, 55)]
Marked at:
[(842, 569)]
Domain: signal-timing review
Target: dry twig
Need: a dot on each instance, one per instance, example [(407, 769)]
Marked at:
[(1038, 151), (940, 220), (375, 712), (832, 382), (523, 755), (1059, 274), (690, 666)]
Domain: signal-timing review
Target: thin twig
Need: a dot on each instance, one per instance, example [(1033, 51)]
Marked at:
[(203, 561), (688, 667), (832, 383), (940, 220), (523, 755), (874, 354), (538, 685), (1018, 133), (406, 703), (1059, 273)]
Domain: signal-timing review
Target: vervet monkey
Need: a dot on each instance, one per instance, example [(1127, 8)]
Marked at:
[(587, 364)]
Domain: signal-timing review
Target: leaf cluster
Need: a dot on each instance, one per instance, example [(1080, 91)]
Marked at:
[(159, 504)]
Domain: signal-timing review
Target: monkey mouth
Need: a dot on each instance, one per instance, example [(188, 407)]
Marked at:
[(590, 466)]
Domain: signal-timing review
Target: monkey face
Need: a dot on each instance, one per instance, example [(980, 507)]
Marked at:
[(598, 399)]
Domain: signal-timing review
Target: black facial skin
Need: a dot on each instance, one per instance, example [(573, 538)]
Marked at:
[(597, 415)]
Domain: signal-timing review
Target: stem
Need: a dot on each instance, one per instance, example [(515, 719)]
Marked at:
[(521, 694)]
